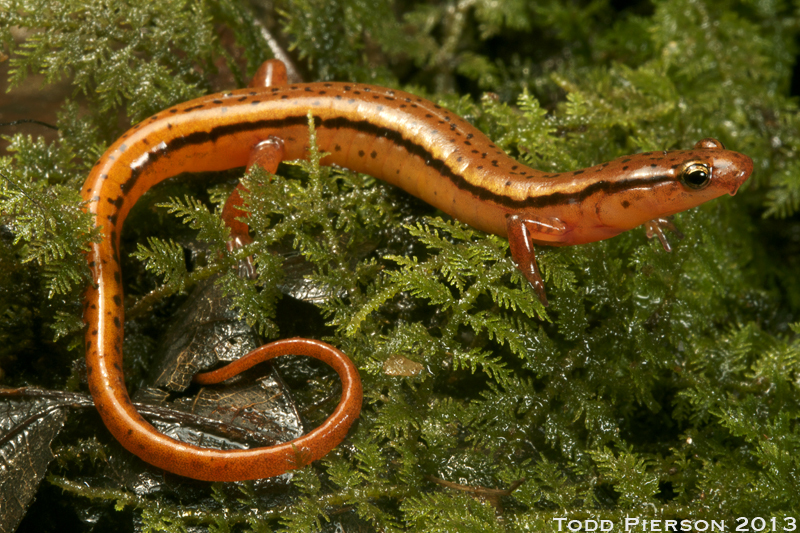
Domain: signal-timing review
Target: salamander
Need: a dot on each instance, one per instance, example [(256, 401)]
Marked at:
[(392, 135)]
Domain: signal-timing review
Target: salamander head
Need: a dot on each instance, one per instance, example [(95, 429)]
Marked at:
[(657, 184), (710, 165)]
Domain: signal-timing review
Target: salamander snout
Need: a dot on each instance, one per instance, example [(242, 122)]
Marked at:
[(731, 170), (745, 169), (725, 169)]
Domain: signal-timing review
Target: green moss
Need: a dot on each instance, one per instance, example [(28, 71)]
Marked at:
[(656, 385)]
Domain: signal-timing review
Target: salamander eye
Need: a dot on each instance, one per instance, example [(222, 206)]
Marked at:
[(696, 176)]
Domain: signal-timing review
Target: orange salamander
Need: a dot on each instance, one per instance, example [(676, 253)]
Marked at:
[(390, 134)]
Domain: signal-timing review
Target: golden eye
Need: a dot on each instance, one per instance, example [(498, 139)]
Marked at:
[(696, 176)]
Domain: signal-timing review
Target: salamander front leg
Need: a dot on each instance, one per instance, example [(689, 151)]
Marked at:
[(521, 231), (656, 227)]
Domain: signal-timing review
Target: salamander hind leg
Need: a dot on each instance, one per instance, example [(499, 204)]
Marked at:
[(268, 155), (271, 73), (522, 231)]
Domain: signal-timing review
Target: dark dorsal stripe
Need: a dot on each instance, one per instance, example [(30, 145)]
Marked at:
[(396, 137)]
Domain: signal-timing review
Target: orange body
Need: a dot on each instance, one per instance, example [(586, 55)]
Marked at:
[(392, 135)]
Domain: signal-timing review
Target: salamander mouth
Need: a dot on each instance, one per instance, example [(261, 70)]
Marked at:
[(745, 167), (740, 178)]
